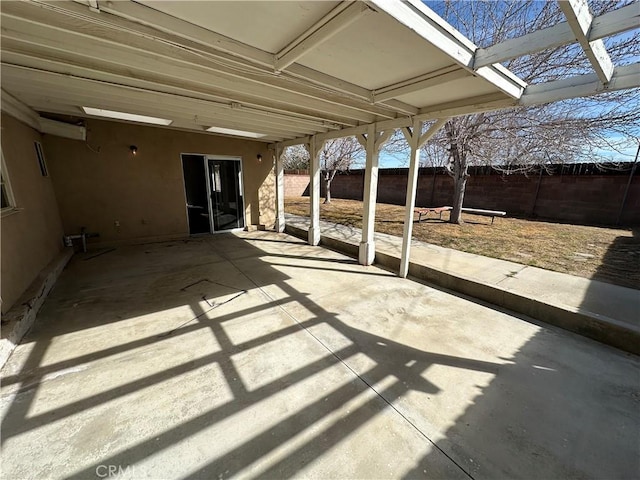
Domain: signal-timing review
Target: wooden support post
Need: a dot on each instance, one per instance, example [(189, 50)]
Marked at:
[(372, 141), (280, 222), (314, 192), (413, 138), (367, 250), (416, 140)]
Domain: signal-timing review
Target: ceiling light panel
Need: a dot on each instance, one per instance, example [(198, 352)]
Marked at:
[(131, 117), (231, 131)]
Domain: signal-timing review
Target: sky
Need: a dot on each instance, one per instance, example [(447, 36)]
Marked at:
[(393, 161)]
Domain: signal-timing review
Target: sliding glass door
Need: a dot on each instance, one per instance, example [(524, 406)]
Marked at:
[(225, 186), (213, 189), (196, 192)]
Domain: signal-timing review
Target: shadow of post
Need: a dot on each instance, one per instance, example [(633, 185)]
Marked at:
[(564, 430), (621, 262)]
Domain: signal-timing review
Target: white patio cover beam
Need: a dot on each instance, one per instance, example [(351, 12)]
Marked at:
[(580, 20), (63, 129), (207, 66), (143, 15), (279, 167), (314, 191), (416, 139), (451, 109), (372, 141), (427, 24), (112, 96), (19, 110), (339, 18), (581, 86), (623, 78), (431, 79), (481, 103), (219, 108), (612, 23), (207, 40), (294, 141)]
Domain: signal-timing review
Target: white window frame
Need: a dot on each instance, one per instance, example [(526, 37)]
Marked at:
[(12, 208)]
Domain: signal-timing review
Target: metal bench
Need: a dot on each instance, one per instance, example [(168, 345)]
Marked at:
[(426, 211), (487, 213)]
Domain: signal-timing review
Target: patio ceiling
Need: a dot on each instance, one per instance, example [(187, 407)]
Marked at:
[(282, 69)]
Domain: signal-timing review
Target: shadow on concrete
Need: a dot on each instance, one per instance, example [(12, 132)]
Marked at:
[(17, 420), (564, 431), (492, 438), (621, 263)]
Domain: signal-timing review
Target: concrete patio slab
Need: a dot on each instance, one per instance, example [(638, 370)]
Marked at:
[(602, 311), (255, 355)]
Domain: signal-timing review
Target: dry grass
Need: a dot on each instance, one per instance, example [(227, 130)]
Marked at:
[(608, 254)]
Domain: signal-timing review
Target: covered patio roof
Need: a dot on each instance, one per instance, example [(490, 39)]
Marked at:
[(280, 70)]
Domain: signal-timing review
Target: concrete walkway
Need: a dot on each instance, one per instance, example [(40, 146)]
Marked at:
[(254, 355), (602, 311)]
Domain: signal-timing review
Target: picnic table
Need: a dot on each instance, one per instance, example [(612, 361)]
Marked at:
[(427, 210)]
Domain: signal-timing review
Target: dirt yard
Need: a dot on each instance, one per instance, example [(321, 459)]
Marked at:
[(607, 254)]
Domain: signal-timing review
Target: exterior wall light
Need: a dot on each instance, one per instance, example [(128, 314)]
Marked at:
[(134, 150)]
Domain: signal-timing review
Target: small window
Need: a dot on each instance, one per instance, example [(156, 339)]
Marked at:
[(8, 202), (41, 161)]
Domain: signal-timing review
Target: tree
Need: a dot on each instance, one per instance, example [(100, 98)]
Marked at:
[(565, 131), (340, 154), (295, 157), (337, 155)]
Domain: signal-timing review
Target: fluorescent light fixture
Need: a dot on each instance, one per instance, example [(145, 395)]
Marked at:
[(132, 117), (231, 131)]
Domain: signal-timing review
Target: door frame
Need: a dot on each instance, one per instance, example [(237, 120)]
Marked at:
[(184, 192), (241, 189), (205, 159)]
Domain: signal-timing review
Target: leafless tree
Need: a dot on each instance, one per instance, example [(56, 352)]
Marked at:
[(340, 154), (433, 155), (572, 130), (346, 153), (295, 157)]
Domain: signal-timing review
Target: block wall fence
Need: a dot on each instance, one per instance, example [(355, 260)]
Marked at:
[(579, 193)]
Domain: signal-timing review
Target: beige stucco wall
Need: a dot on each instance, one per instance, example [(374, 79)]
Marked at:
[(32, 237), (99, 182)]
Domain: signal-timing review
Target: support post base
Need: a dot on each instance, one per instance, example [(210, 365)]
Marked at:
[(366, 253), (314, 236)]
